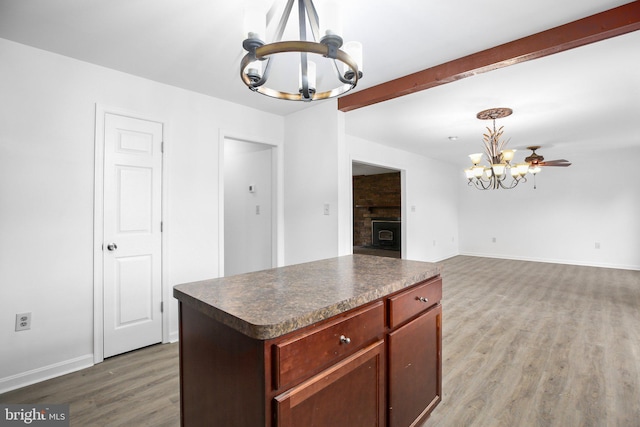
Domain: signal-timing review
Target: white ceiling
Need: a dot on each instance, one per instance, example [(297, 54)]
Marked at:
[(583, 99)]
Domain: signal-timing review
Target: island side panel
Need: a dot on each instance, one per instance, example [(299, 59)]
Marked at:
[(222, 375)]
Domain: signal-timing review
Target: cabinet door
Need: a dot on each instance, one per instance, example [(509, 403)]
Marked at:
[(415, 369), (350, 393)]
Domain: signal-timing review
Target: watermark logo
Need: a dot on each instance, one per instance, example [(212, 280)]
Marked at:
[(12, 415)]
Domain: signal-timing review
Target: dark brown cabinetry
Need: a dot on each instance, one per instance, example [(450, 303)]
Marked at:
[(414, 370), (350, 393), (415, 353), (376, 365)]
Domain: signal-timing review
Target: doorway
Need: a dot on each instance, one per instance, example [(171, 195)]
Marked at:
[(377, 210), (127, 234), (249, 206)]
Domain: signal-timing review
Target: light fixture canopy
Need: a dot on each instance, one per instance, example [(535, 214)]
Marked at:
[(327, 44)]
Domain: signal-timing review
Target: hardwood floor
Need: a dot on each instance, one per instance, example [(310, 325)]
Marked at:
[(524, 344), (535, 344), (368, 250), (140, 388)]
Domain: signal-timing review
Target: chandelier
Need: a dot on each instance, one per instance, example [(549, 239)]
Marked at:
[(325, 42), (501, 172)]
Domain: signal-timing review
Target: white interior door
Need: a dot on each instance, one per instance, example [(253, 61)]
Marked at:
[(132, 247)]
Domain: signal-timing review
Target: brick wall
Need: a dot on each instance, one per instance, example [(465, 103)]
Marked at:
[(374, 196)]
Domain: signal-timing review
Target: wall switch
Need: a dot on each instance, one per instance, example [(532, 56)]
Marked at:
[(326, 208), (257, 209), (597, 245), (493, 240), (23, 321), (252, 188)]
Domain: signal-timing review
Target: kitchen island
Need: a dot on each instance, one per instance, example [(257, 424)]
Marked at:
[(347, 341)]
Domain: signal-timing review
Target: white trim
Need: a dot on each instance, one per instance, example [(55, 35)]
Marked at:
[(98, 229), (277, 210), (221, 138), (403, 214), (555, 261), (403, 201), (173, 336), (44, 373), (98, 234)]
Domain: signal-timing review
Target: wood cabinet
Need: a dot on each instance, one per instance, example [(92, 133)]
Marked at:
[(375, 365), (414, 345), (349, 393), (414, 370)]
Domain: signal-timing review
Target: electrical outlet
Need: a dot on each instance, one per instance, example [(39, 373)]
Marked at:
[(23, 321), (257, 209)]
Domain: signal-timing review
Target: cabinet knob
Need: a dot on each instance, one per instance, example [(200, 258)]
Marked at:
[(422, 299), (345, 340)]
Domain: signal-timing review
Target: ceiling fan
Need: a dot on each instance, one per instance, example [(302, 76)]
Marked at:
[(536, 159)]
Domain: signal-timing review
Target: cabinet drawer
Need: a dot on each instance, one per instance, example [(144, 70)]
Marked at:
[(305, 354), (349, 393), (413, 301)]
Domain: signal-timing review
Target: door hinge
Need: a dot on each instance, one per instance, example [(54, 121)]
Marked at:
[(161, 226), (162, 146), (161, 306)]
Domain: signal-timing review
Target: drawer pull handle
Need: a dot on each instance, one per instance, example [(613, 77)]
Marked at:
[(422, 299), (345, 340)]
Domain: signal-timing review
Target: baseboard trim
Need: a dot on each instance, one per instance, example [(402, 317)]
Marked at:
[(44, 373), (555, 261), (174, 336), (445, 257)]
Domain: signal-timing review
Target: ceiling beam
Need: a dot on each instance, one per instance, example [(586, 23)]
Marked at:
[(614, 22)]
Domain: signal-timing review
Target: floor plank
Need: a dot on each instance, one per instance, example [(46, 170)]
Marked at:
[(524, 344)]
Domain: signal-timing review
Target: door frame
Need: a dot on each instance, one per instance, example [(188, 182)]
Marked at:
[(98, 227), (277, 201), (403, 201)]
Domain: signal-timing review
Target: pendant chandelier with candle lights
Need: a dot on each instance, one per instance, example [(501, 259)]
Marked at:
[(325, 42), (501, 172)]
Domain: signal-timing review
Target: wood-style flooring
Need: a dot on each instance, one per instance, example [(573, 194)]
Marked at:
[(140, 388), (536, 344), (524, 344), (369, 250)]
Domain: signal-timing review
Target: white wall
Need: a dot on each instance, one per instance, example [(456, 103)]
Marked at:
[(311, 181), (431, 229), (247, 233), (47, 116), (594, 200), (317, 158)]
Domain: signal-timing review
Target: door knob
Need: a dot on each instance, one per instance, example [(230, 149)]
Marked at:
[(112, 246)]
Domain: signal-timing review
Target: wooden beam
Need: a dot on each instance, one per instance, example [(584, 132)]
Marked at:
[(614, 22)]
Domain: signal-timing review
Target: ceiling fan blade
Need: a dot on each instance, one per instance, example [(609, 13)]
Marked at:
[(559, 162)]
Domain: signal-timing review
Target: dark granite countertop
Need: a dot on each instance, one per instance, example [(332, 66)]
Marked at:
[(270, 303)]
